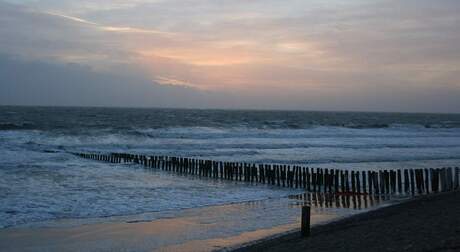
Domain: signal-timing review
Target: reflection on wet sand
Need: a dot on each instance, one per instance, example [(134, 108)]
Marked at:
[(197, 229), (337, 200)]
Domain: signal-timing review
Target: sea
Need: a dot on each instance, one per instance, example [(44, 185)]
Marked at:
[(41, 181)]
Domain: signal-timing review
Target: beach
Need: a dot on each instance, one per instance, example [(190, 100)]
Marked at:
[(54, 200), (427, 223), (195, 229)]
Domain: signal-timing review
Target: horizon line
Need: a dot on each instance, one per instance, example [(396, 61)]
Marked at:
[(228, 109)]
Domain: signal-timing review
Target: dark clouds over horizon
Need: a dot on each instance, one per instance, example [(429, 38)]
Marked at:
[(308, 55)]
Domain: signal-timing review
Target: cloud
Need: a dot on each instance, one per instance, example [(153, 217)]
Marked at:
[(41, 83), (364, 55), (36, 35)]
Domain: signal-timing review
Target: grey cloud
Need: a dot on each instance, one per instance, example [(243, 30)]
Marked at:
[(40, 83), (393, 55), (36, 35)]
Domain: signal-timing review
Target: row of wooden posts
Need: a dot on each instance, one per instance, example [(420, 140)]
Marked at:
[(402, 181)]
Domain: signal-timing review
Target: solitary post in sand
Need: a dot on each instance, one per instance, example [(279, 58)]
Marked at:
[(305, 224)]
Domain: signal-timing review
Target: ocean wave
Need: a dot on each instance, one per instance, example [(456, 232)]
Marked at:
[(146, 130), (202, 137), (17, 126)]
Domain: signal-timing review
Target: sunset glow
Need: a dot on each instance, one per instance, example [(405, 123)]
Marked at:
[(304, 50)]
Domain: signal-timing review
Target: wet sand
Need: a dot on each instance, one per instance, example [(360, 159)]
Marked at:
[(198, 229), (427, 223)]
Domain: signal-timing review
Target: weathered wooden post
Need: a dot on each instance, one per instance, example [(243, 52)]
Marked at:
[(399, 181), (442, 178), (434, 184), (331, 179), (449, 179), (393, 181), (382, 182), (358, 184), (326, 179), (305, 223), (320, 176), (456, 182), (418, 181), (364, 181), (347, 184), (376, 182), (278, 175), (406, 181), (370, 179), (353, 184), (304, 177), (342, 181), (336, 181), (411, 172), (386, 176), (296, 176)]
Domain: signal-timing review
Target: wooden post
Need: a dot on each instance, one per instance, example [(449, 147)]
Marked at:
[(305, 223), (313, 179), (427, 181), (393, 181), (301, 180), (296, 176), (336, 181), (387, 181), (406, 181), (433, 182), (254, 173), (417, 181), (422, 181), (342, 181), (353, 186), (370, 179), (437, 179), (319, 178), (364, 181), (331, 179), (278, 175), (347, 184), (358, 184), (443, 178), (304, 177), (382, 182), (376, 182), (446, 180), (411, 172), (456, 178)]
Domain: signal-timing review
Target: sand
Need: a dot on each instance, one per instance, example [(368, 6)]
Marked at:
[(427, 223), (197, 229)]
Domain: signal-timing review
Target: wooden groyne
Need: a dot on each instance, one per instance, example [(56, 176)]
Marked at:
[(399, 181)]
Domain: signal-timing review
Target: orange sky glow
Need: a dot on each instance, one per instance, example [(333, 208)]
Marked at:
[(300, 50)]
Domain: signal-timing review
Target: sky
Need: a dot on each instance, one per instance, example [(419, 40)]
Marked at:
[(361, 55)]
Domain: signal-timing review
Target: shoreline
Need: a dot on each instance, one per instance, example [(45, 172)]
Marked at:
[(426, 223), (210, 228)]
